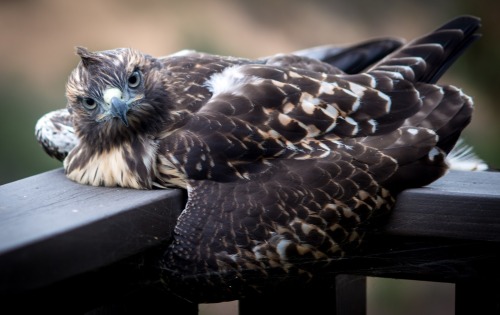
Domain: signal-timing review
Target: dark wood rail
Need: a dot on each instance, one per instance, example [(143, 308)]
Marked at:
[(90, 246)]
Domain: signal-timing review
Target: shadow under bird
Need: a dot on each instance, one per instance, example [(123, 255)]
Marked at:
[(284, 158)]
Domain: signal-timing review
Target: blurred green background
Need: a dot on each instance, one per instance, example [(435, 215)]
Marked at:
[(37, 40)]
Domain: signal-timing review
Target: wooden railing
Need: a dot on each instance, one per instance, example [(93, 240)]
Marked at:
[(73, 249)]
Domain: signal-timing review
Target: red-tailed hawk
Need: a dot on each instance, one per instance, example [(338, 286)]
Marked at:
[(283, 157)]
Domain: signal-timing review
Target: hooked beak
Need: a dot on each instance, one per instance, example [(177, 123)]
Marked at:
[(119, 109)]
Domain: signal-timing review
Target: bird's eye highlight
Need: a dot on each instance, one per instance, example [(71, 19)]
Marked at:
[(89, 103), (135, 79)]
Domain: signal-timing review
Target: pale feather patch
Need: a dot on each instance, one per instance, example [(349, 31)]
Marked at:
[(412, 131), (357, 89), (354, 123), (169, 174), (331, 111), (390, 74), (433, 153), (372, 82), (294, 74), (327, 88), (274, 134), (56, 136), (281, 248), (373, 123), (307, 107), (284, 119), (288, 107), (312, 131), (340, 144), (387, 99), (229, 81), (406, 70), (181, 53), (110, 168), (109, 93), (106, 169), (463, 158)]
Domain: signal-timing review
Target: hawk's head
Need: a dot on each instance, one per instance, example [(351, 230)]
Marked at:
[(114, 95)]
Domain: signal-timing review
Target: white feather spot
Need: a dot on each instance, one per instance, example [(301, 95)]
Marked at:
[(357, 89), (372, 82), (288, 107), (391, 74), (109, 93), (274, 134), (342, 145), (331, 111), (356, 104), (434, 153), (284, 119), (308, 107), (331, 126), (374, 125), (412, 131), (306, 228), (281, 248), (229, 81), (183, 52), (351, 121), (327, 88), (294, 74), (198, 167), (312, 131), (463, 158), (386, 98)]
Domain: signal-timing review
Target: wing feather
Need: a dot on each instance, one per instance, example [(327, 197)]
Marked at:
[(290, 216)]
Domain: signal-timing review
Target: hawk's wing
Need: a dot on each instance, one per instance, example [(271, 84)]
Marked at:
[(286, 216), (283, 165), (56, 134)]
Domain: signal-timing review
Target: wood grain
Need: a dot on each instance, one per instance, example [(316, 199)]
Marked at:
[(52, 229)]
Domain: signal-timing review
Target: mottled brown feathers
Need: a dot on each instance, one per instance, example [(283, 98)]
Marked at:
[(284, 158)]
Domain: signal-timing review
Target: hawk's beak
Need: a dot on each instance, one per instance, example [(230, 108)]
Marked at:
[(119, 109)]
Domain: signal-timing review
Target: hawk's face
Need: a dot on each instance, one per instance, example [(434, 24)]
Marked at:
[(115, 95)]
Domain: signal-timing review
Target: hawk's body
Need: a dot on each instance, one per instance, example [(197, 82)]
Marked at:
[(284, 158)]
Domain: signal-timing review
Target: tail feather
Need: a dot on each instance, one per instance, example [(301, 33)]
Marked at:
[(446, 110), (427, 58), (353, 58), (414, 149)]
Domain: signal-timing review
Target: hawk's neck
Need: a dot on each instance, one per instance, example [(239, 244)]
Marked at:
[(129, 165)]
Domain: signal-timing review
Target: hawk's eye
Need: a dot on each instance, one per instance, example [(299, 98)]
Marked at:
[(135, 79), (89, 103)]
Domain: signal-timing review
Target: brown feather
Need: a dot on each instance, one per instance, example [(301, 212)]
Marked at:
[(285, 158)]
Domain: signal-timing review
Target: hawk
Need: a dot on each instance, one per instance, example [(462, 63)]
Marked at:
[(285, 158)]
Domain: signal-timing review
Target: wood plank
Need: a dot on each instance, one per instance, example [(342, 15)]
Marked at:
[(52, 228), (461, 205)]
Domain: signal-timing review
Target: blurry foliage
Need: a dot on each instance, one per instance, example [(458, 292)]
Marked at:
[(410, 297), (20, 156)]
